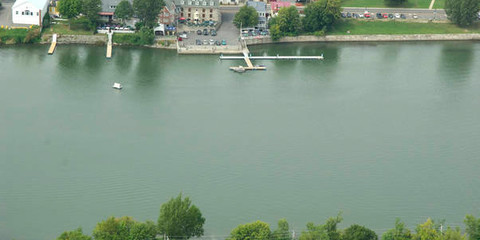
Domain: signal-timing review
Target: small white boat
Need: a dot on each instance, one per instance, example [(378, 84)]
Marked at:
[(239, 69), (117, 86)]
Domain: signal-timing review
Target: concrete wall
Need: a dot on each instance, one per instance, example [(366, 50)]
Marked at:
[(82, 39), (366, 38), (210, 49)]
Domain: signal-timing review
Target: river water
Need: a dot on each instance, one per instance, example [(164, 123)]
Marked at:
[(377, 131)]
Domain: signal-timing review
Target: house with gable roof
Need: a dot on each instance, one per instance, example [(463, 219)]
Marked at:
[(29, 12)]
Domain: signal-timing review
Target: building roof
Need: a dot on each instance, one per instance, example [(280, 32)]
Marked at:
[(259, 6), (277, 5), (40, 4)]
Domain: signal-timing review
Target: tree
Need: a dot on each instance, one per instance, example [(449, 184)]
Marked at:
[(473, 227), (251, 231), (91, 8), (124, 10), (288, 21), (462, 12), (357, 232), (331, 227), (180, 219), (76, 234), (247, 16), (147, 11), (453, 234), (70, 8), (124, 228), (321, 15), (314, 232), (427, 231), (143, 231), (282, 232), (398, 233)]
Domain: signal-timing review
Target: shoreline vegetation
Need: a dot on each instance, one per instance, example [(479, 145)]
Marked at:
[(179, 219)]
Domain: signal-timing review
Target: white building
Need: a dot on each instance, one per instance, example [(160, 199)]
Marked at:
[(29, 11)]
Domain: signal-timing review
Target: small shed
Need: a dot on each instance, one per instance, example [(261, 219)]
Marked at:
[(29, 12)]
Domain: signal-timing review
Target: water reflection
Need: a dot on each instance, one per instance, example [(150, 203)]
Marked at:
[(123, 60), (94, 60), (148, 67), (456, 63)]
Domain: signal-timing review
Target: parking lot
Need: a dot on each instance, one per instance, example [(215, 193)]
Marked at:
[(227, 31)]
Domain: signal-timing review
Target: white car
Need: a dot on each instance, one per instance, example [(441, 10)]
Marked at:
[(361, 15), (397, 15), (415, 16), (212, 42)]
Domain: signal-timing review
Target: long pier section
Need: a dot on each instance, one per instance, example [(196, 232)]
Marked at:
[(271, 58), (53, 45), (109, 45)]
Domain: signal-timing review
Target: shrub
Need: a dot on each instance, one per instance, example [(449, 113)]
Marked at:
[(33, 35), (80, 24), (143, 37)]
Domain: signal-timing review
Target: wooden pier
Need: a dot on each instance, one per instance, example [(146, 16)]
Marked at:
[(53, 45), (109, 45), (248, 59)]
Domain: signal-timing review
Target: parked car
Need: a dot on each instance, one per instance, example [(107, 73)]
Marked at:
[(224, 42), (390, 16), (198, 42), (385, 15), (205, 42), (379, 15), (354, 15), (180, 39), (218, 43), (213, 32), (205, 32), (415, 16), (343, 15), (349, 15), (397, 15), (402, 16), (367, 15), (212, 41), (199, 32)]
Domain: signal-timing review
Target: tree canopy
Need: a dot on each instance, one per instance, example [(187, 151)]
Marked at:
[(76, 234), (288, 20), (147, 11), (251, 231), (180, 219), (70, 8), (124, 228), (462, 12), (282, 232), (327, 231), (124, 10), (473, 227), (91, 8), (321, 15), (247, 16), (395, 2), (400, 232), (357, 232)]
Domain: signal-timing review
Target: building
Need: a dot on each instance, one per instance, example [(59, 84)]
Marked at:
[(29, 12), (108, 9), (261, 8), (229, 2), (199, 11), (53, 9), (276, 6), (168, 14)]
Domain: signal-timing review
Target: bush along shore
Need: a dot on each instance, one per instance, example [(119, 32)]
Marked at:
[(180, 219), (20, 35)]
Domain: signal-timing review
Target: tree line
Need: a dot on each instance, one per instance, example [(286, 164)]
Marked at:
[(180, 219)]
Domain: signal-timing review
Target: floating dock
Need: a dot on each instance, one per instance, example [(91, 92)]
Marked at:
[(109, 45), (248, 59), (53, 45)]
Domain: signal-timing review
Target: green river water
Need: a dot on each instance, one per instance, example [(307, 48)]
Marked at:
[(377, 131)]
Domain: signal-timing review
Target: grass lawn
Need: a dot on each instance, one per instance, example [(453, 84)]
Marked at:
[(396, 27), (381, 3), (439, 4), (62, 28)]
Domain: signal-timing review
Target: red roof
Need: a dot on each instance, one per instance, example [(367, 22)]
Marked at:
[(277, 5), (105, 13)]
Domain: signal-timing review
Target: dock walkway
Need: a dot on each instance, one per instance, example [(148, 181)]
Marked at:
[(53, 45), (109, 45)]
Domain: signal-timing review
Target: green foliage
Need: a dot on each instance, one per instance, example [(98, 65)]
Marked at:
[(321, 15), (472, 227), (246, 17), (314, 232), (143, 37), (462, 12), (357, 232), (46, 20), (81, 23), (282, 232), (288, 21), (453, 234), (91, 9), (14, 36), (124, 10), (427, 231), (251, 231), (400, 232), (180, 219), (33, 35), (76, 234), (70, 8), (331, 227), (124, 228), (147, 11), (275, 33)]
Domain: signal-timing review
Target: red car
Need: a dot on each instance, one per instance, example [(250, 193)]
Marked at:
[(385, 15), (367, 15)]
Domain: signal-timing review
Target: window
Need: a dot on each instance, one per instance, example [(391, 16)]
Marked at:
[(189, 9), (31, 13), (23, 13), (203, 15), (211, 10), (16, 13), (197, 3), (113, 7), (211, 16), (212, 3), (189, 15), (189, 2), (203, 10), (37, 13), (182, 2), (204, 3)]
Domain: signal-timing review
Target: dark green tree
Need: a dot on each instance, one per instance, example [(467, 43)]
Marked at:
[(395, 2), (462, 12), (70, 8), (113, 228), (357, 232), (143, 231), (400, 232), (472, 227), (124, 10), (76, 234), (147, 11), (314, 232), (246, 17), (282, 232), (180, 219), (91, 8), (321, 15), (251, 231), (288, 21)]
